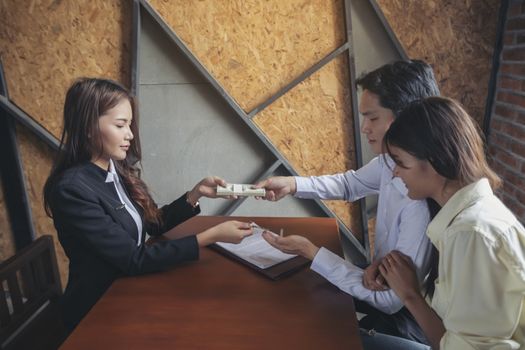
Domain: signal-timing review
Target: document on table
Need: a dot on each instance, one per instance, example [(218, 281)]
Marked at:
[(256, 250)]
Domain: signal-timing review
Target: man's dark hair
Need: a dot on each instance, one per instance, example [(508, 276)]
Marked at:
[(399, 83)]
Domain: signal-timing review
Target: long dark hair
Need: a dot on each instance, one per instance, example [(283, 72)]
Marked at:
[(86, 100), (430, 282), (440, 131)]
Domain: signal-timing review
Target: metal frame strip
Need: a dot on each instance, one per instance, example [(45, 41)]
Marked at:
[(355, 111), (135, 42), (299, 79), (388, 29), (493, 81), (24, 119), (13, 178)]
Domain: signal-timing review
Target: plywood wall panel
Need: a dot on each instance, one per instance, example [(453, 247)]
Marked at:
[(37, 161), (312, 127), (254, 48), (456, 37), (45, 45)]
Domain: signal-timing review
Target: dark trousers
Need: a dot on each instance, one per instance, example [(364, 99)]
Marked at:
[(400, 324)]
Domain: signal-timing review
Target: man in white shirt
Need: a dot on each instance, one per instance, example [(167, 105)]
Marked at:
[(400, 223)]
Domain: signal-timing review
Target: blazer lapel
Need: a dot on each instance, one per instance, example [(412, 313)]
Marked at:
[(137, 207), (108, 195)]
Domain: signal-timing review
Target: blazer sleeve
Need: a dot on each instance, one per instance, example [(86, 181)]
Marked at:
[(79, 215), (173, 214)]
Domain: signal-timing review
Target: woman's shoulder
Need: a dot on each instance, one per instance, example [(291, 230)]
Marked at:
[(79, 180), (81, 172), (488, 219), (491, 227)]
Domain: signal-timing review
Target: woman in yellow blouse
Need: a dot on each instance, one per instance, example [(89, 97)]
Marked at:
[(480, 290)]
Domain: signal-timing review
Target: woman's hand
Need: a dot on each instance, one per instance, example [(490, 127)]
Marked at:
[(400, 274), (277, 187), (292, 244), (228, 232), (207, 187), (372, 279)]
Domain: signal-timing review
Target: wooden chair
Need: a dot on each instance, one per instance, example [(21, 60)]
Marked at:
[(29, 292)]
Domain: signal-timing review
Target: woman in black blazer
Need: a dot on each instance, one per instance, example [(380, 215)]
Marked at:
[(101, 208)]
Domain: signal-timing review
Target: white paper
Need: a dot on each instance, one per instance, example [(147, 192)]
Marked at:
[(256, 250)]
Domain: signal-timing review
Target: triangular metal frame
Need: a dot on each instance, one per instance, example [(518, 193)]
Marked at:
[(247, 117), (49, 139)]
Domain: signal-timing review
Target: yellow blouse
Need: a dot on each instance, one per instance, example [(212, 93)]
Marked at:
[(480, 290)]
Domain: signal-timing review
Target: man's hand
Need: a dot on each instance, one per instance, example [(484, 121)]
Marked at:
[(293, 244), (372, 279), (400, 274), (277, 187)]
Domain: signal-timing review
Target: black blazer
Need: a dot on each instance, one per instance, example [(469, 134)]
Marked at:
[(99, 237)]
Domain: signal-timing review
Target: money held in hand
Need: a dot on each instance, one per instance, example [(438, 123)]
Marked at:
[(240, 190)]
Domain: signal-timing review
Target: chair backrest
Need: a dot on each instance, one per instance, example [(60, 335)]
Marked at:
[(29, 292)]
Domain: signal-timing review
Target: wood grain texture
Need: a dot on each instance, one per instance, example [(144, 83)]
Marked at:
[(45, 45), (216, 303)]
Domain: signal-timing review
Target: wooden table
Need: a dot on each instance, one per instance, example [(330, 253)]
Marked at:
[(217, 303)]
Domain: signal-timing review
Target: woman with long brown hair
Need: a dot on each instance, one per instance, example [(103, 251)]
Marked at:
[(101, 208), (480, 288)]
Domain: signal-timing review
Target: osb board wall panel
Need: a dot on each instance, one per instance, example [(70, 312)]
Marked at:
[(7, 243), (37, 159), (254, 48), (45, 45), (312, 127), (456, 37)]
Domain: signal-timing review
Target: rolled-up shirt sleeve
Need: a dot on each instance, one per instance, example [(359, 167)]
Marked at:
[(349, 278), (401, 225), (350, 186), (412, 241)]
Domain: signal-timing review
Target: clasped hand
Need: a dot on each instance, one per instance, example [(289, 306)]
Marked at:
[(372, 278), (400, 273)]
